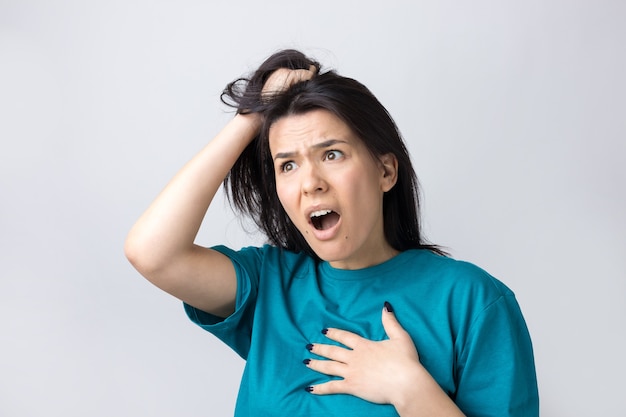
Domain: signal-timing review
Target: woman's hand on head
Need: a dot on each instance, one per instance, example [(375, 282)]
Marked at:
[(283, 78)]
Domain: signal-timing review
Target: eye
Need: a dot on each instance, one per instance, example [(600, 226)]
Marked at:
[(288, 166), (333, 155)]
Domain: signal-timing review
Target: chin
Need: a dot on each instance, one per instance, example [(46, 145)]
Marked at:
[(331, 254)]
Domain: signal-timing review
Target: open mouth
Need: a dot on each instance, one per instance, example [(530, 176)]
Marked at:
[(324, 219)]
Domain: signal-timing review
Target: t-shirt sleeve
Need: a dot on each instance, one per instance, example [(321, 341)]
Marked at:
[(496, 371), (236, 329)]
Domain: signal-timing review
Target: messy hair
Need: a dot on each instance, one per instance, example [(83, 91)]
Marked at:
[(251, 184)]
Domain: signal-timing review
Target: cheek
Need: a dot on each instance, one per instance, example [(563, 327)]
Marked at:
[(286, 197)]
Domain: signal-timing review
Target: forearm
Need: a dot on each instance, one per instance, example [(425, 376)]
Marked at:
[(170, 224)]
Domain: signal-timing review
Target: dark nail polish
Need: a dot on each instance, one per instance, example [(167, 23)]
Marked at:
[(308, 389), (324, 331), (306, 361), (388, 307), (309, 347)]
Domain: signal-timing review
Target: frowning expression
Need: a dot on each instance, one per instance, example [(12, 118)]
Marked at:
[(332, 188)]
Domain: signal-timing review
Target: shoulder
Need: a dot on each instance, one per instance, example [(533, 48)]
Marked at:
[(469, 296), (461, 279)]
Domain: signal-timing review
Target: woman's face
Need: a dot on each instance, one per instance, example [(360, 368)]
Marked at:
[(331, 187)]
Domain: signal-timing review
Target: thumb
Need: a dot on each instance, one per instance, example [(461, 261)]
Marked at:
[(390, 323)]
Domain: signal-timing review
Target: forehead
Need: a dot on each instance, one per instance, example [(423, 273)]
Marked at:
[(308, 128)]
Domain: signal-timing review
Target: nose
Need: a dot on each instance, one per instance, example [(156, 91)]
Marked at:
[(313, 180)]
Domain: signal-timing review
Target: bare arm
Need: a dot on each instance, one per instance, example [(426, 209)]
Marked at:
[(161, 244)]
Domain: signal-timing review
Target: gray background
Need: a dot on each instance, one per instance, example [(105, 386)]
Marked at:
[(514, 112)]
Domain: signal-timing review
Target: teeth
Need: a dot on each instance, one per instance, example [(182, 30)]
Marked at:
[(320, 213)]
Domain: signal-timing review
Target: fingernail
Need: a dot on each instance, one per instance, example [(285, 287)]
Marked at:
[(388, 307), (308, 389), (309, 347), (324, 331), (306, 361)]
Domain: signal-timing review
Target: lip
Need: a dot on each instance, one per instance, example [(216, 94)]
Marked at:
[(325, 234), (313, 209)]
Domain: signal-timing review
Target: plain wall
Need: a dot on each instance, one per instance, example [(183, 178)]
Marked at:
[(514, 112)]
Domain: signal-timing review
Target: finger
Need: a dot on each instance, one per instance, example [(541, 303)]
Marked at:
[(283, 78), (305, 74), (294, 77), (327, 367), (344, 337), (390, 323), (330, 387), (302, 74), (332, 352)]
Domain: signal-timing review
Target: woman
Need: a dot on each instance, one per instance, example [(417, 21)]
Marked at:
[(318, 163)]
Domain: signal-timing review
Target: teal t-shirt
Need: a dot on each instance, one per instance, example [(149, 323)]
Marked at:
[(466, 325)]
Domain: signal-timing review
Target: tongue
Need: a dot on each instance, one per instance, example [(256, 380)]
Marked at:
[(329, 220)]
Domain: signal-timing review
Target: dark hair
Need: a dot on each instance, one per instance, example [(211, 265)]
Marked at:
[(251, 186)]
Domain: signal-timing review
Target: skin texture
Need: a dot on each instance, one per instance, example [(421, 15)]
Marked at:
[(319, 163), (160, 245), (385, 372)]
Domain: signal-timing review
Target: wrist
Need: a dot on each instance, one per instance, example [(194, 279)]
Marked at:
[(241, 130), (423, 397), (250, 121)]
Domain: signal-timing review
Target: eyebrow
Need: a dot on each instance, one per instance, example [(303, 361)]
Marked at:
[(320, 145)]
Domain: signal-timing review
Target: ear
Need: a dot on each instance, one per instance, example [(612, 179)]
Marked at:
[(389, 170)]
